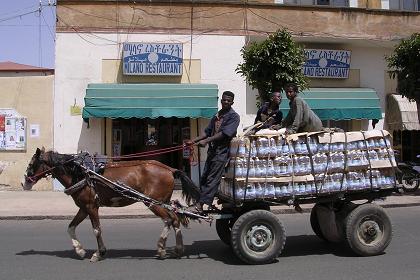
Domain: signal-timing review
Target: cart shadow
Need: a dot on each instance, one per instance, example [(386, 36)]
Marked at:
[(307, 245), (301, 245)]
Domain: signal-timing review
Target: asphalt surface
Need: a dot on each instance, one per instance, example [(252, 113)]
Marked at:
[(41, 249)]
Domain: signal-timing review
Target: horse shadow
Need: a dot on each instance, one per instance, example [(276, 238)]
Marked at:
[(301, 245)]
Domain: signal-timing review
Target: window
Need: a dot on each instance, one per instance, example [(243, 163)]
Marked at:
[(334, 3), (405, 5)]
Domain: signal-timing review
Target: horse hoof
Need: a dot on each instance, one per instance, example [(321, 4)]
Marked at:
[(161, 255), (96, 258), (81, 253), (179, 252)]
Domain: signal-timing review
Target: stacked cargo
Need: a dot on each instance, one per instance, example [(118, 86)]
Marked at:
[(308, 164)]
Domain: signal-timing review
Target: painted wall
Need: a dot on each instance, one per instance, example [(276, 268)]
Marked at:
[(32, 97), (79, 62)]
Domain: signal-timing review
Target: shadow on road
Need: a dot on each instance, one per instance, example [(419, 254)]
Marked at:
[(300, 245)]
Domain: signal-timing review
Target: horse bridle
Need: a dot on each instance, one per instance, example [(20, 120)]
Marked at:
[(47, 172)]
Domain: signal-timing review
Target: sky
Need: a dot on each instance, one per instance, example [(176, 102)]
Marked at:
[(26, 35)]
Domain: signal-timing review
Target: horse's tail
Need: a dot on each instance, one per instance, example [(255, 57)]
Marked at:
[(190, 192)]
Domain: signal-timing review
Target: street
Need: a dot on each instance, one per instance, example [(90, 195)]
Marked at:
[(42, 250)]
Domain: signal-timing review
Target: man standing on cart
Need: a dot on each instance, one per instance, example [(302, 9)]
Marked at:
[(218, 134)]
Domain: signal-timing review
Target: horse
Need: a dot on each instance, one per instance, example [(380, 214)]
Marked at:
[(151, 178)]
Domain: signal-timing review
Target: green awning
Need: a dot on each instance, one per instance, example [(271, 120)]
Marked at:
[(150, 100), (340, 103)]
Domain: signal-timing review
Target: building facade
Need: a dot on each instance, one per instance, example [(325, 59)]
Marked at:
[(90, 67), (26, 117)]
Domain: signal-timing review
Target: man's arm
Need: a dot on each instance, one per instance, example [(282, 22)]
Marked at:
[(298, 118)]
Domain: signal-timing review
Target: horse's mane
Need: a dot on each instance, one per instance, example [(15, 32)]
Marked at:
[(64, 165)]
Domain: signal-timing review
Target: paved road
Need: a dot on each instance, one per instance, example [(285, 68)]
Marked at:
[(42, 250)]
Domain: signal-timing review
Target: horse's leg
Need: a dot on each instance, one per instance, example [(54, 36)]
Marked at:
[(161, 244), (94, 219), (80, 216), (179, 247), (167, 222)]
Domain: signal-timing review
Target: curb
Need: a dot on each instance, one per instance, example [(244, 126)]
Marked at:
[(152, 216)]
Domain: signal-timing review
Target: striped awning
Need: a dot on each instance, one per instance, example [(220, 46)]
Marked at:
[(340, 103), (150, 100)]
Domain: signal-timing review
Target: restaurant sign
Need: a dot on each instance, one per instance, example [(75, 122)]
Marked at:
[(326, 63), (152, 59)]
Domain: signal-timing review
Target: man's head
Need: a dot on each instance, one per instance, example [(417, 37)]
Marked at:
[(227, 100), (275, 97), (291, 90)]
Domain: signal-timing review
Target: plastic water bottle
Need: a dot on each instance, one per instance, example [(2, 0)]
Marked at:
[(273, 147), (290, 189), (296, 166), (270, 169), (257, 165), (253, 149), (313, 148), (241, 150), (279, 146), (263, 168), (373, 155), (250, 191), (239, 168), (361, 144), (262, 147), (278, 190), (381, 143), (259, 190), (239, 190), (251, 168), (270, 191)]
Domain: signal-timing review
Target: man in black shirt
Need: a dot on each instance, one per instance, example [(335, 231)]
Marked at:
[(269, 114), (218, 134)]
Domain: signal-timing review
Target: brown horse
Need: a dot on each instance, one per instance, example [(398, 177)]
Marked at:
[(152, 178)]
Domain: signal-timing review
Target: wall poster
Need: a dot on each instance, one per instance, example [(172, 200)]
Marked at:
[(12, 130)]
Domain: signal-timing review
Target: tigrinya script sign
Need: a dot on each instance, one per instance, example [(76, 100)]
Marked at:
[(327, 63), (152, 59)]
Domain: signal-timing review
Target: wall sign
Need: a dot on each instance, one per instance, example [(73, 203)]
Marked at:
[(152, 59), (12, 130), (327, 63)]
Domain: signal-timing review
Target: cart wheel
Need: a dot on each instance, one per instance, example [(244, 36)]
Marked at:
[(315, 223), (258, 237), (368, 230), (410, 182), (224, 229)]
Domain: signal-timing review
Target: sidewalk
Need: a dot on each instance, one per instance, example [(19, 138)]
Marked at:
[(38, 205)]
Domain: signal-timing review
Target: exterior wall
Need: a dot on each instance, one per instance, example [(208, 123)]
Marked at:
[(235, 18), (218, 32), (75, 71), (32, 97)]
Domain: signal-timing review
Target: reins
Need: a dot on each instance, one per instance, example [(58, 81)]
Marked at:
[(154, 153), (162, 151)]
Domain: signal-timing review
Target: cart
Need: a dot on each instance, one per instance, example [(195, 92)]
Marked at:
[(257, 236)]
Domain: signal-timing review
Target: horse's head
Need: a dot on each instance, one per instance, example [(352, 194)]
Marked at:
[(37, 169)]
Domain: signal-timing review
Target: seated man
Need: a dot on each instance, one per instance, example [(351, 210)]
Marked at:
[(300, 117), (269, 114)]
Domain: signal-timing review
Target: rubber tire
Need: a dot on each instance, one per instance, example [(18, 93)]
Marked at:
[(406, 185), (245, 223), (224, 229), (315, 223), (364, 213)]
